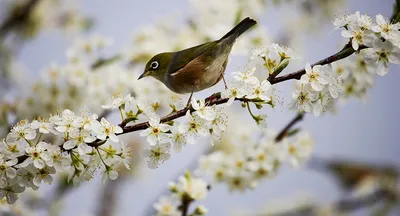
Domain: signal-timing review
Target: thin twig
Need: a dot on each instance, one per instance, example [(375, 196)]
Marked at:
[(286, 129)]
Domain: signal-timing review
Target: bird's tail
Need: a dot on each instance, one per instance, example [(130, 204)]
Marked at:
[(240, 28)]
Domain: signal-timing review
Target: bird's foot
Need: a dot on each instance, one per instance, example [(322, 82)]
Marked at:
[(226, 86)]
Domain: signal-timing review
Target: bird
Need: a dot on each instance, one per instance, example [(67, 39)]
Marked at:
[(196, 68)]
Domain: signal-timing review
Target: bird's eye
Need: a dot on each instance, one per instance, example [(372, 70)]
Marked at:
[(154, 65)]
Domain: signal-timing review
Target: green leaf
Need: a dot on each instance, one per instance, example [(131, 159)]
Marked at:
[(293, 132), (280, 68)]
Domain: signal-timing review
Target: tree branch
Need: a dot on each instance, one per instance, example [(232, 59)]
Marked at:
[(344, 53), (344, 205), (216, 99), (353, 204), (18, 17)]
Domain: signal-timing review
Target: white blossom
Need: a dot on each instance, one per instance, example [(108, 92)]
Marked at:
[(246, 75), (315, 76), (157, 154), (358, 36), (44, 174), (205, 112), (156, 132), (80, 139), (22, 130), (261, 90), (303, 97), (297, 151), (6, 167), (104, 129), (111, 170), (10, 190), (323, 103), (195, 188), (116, 101), (235, 89), (178, 137), (65, 122), (43, 126), (387, 30), (166, 206), (36, 155), (381, 54), (194, 127)]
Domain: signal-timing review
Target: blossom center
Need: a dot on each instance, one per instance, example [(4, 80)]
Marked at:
[(386, 28), (383, 55), (12, 148), (35, 154), (156, 153), (292, 149), (340, 70), (237, 181), (314, 76), (3, 168), (156, 131), (43, 172), (358, 37), (239, 164), (261, 157), (302, 97), (219, 174), (261, 172), (167, 209)]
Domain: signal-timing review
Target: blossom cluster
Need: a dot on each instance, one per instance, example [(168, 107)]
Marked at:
[(68, 86), (378, 45), (205, 121), (188, 189), (249, 164), (29, 158), (247, 86), (380, 36)]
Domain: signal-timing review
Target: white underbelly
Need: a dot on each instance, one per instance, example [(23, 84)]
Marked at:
[(213, 72)]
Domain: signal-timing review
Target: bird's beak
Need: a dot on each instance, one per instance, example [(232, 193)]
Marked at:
[(144, 74)]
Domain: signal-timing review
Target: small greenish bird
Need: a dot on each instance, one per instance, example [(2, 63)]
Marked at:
[(196, 68)]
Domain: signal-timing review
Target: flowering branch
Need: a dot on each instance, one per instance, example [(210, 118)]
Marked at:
[(214, 99), (344, 53)]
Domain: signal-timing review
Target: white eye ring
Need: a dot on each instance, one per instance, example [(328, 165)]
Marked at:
[(154, 65)]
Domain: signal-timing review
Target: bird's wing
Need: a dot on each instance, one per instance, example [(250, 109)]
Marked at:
[(183, 57)]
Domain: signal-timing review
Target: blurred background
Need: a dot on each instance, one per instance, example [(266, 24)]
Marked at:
[(362, 130)]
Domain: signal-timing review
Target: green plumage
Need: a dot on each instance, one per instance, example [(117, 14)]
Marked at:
[(196, 68)]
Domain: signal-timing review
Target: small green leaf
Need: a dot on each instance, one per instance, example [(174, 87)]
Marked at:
[(293, 132), (280, 68)]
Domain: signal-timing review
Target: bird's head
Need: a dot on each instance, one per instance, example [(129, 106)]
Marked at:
[(157, 67)]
